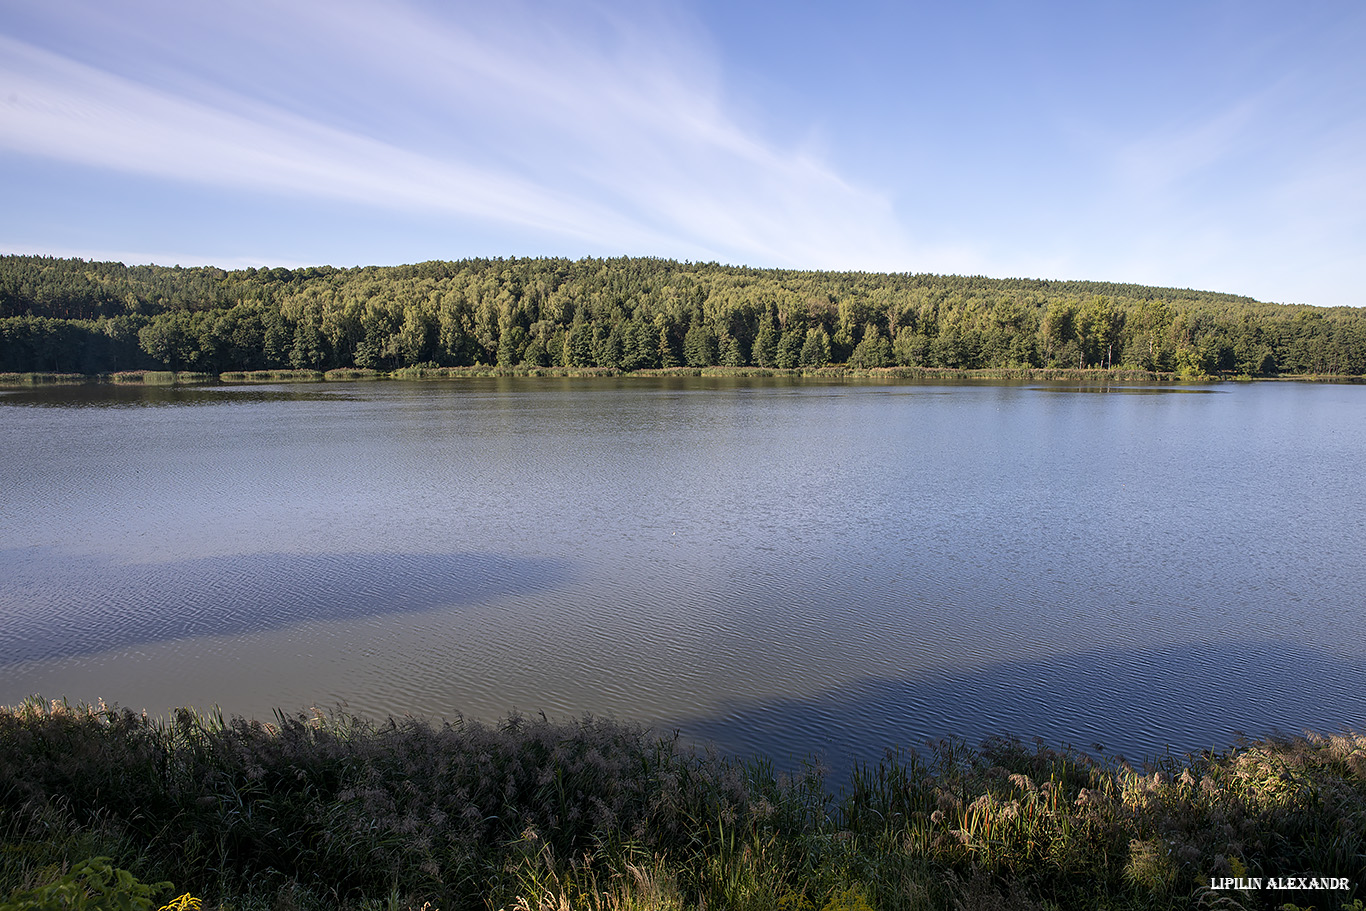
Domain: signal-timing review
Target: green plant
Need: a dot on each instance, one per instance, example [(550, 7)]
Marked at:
[(93, 885)]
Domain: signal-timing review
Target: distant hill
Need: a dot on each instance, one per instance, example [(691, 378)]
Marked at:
[(70, 315)]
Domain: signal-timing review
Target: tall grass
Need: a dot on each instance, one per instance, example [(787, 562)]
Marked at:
[(271, 376), (484, 370), (841, 371), (159, 377), (330, 810), (41, 379), (353, 373)]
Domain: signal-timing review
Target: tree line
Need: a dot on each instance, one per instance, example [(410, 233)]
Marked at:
[(70, 315)]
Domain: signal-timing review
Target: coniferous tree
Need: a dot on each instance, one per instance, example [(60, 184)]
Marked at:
[(790, 348), (765, 353), (640, 350), (668, 351), (816, 347), (512, 345), (535, 355), (873, 350), (578, 345), (607, 346), (730, 353), (699, 345)]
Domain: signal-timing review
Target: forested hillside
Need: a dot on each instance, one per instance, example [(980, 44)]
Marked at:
[(69, 315)]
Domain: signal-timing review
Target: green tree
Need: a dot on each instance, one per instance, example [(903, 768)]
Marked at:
[(535, 354), (699, 345), (607, 346), (1149, 328), (765, 352), (668, 348), (911, 348), (953, 346), (816, 347), (578, 344), (1099, 328), (790, 348), (873, 350), (512, 345), (1059, 331), (730, 352), (172, 340), (411, 344), (640, 350)]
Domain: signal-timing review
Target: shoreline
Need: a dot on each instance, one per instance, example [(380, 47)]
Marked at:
[(1100, 376)]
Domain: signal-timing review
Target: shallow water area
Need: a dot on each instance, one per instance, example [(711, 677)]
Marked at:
[(795, 567)]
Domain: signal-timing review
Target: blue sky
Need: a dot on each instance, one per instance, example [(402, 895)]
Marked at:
[(1212, 145)]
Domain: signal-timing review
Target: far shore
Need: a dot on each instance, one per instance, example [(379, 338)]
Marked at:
[(1097, 375)]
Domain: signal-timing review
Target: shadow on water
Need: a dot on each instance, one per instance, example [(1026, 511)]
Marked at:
[(57, 608), (1137, 704)]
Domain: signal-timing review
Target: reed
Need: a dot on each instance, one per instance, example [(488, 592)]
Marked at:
[(41, 379), (317, 810), (1096, 375), (484, 370), (352, 373), (159, 377), (271, 376)]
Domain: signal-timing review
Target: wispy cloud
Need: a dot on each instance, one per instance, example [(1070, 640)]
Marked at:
[(577, 123), (61, 109), (1163, 159)]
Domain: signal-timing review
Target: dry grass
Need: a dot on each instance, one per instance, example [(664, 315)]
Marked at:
[(318, 810)]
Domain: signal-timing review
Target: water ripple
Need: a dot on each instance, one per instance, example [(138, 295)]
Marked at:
[(56, 608), (1140, 703)]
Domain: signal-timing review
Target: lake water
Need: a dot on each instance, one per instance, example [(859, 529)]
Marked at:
[(795, 567)]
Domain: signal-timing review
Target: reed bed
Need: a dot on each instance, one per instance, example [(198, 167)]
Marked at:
[(321, 810), (484, 370), (833, 371), (41, 379), (159, 377), (1098, 376), (271, 376), (353, 373), (1026, 374)]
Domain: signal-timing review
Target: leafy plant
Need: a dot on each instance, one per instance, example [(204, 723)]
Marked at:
[(94, 885)]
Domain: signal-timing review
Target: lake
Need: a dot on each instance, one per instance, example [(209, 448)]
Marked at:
[(797, 567)]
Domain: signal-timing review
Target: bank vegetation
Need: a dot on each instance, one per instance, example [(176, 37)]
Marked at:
[(328, 810)]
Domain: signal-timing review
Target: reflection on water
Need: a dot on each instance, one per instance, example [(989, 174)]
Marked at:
[(768, 563), (1130, 390), (130, 395)]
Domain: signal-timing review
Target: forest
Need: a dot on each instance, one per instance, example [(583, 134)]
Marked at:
[(75, 316)]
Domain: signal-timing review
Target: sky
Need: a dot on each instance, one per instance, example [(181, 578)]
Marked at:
[(1209, 144)]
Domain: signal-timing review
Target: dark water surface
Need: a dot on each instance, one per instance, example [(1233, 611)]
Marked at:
[(793, 567)]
